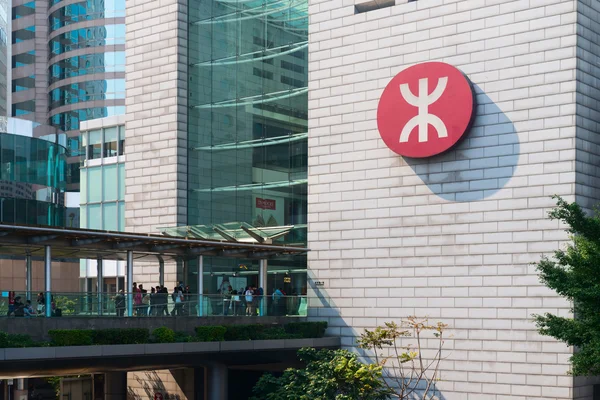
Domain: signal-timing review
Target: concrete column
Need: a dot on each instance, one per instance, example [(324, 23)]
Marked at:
[(129, 283), (262, 282), (216, 381), (48, 279), (115, 385), (100, 281), (200, 285), (28, 274)]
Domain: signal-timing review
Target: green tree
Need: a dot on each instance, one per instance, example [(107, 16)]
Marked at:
[(574, 273), (328, 375)]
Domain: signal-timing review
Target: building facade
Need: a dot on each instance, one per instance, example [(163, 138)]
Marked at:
[(452, 237), (68, 65), (216, 127)]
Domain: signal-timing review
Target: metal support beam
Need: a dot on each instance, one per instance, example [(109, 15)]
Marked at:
[(200, 285), (100, 283), (129, 283), (28, 276), (48, 280), (262, 283), (161, 272), (184, 270), (217, 379)]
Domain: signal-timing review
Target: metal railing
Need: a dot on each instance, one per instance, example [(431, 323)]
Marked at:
[(92, 304)]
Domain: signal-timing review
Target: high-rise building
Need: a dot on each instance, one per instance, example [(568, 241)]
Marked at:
[(68, 65)]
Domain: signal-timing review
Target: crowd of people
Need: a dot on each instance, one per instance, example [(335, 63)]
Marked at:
[(155, 303), (18, 308)]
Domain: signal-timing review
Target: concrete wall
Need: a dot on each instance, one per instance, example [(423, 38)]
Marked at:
[(156, 136), (450, 237), (174, 384)]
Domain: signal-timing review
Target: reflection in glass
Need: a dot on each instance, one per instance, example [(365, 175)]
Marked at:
[(247, 125), (113, 61), (86, 11), (94, 217), (94, 184), (110, 182), (87, 91), (69, 120), (87, 37)]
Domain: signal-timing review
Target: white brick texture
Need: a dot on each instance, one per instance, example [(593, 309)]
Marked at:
[(453, 237)]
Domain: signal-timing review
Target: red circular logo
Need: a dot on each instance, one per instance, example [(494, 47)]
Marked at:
[(425, 110)]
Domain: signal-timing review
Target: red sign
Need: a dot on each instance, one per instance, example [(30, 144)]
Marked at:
[(265, 204), (425, 110)]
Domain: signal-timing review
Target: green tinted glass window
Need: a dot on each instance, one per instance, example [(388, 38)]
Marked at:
[(121, 216), (83, 217), (83, 186), (95, 184), (95, 216), (121, 181), (111, 217), (110, 182)]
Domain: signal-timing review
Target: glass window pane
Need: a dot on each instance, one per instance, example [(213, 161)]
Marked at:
[(83, 186), (121, 181), (83, 216), (95, 216), (121, 216), (110, 217), (110, 182), (110, 142), (94, 185), (95, 146), (121, 140)]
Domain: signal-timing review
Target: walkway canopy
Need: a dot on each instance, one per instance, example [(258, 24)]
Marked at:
[(73, 243)]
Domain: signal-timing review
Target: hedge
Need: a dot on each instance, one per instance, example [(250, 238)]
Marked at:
[(71, 337), (8, 340), (86, 337), (163, 335), (210, 333), (309, 330)]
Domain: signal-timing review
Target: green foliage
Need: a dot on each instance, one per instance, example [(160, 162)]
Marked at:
[(329, 375), (571, 274), (210, 333), (8, 340), (183, 337), (71, 337), (85, 337), (163, 335), (121, 336), (307, 329), (65, 304), (243, 332)]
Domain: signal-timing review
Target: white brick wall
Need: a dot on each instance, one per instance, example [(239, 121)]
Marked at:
[(452, 237)]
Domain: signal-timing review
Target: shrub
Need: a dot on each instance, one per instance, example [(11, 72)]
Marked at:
[(308, 330), (244, 332), (8, 340), (276, 332), (182, 337), (211, 333), (164, 335), (71, 337), (121, 336)]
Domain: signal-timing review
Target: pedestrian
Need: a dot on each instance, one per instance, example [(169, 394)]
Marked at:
[(145, 303), (178, 300), (152, 306), (11, 303), (41, 302), (249, 295), (277, 298), (137, 297)]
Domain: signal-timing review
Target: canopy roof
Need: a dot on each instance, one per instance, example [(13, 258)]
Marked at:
[(74, 243)]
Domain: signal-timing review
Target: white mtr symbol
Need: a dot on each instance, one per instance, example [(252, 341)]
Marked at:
[(423, 119)]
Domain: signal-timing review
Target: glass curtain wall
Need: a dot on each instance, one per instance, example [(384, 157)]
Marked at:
[(247, 124)]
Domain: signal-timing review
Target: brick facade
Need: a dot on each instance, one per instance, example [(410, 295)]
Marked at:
[(452, 237)]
